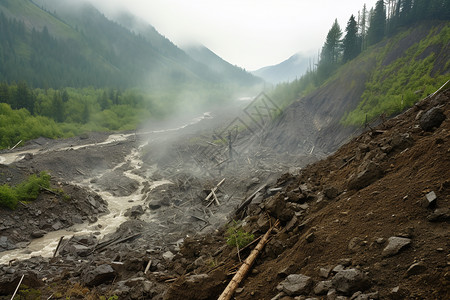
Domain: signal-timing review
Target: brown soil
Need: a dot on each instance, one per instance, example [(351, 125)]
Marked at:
[(356, 224)]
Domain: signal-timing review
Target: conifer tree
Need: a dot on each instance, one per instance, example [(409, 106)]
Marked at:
[(377, 24), (350, 42)]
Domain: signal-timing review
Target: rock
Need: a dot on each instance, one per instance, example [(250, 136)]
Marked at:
[(310, 237), (430, 199), (350, 281), (431, 119), (338, 268), (38, 234), (101, 274), (325, 272), (398, 293), (197, 278), (168, 255), (296, 284), (416, 269), (323, 287), (330, 192), (439, 215), (354, 244), (57, 225), (154, 205), (395, 244), (366, 174), (136, 211), (5, 244)]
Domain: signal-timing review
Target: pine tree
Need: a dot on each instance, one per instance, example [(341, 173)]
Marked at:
[(377, 24), (363, 28), (350, 42), (331, 51)]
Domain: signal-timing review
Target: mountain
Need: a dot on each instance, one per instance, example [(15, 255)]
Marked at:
[(288, 70), (231, 73), (53, 43)]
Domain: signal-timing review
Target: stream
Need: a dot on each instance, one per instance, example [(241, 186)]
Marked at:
[(117, 205)]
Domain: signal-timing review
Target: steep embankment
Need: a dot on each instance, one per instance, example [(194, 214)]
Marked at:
[(383, 80), (370, 220)]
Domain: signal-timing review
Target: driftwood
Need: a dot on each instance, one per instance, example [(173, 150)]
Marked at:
[(148, 266), (17, 288), (114, 242), (249, 199), (213, 190), (57, 247), (239, 276), (16, 145)]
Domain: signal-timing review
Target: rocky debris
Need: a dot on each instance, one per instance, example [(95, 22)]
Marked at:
[(350, 281), (98, 275), (395, 245), (399, 293), (296, 284), (6, 244), (135, 211), (432, 118), (322, 287)]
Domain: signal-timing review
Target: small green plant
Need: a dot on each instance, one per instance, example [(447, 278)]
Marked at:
[(236, 236), (25, 191)]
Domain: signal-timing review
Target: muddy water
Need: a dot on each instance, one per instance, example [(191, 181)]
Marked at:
[(117, 206)]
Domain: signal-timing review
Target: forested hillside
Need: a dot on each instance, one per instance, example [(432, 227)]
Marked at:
[(403, 49)]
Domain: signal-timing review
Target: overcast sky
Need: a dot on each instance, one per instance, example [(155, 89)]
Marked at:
[(248, 33)]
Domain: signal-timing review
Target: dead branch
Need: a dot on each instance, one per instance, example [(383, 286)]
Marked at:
[(57, 247), (213, 190), (234, 283), (17, 288)]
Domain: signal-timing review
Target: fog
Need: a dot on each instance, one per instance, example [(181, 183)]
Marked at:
[(251, 34)]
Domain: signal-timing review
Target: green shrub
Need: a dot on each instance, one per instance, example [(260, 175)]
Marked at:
[(25, 191), (237, 236), (8, 197)]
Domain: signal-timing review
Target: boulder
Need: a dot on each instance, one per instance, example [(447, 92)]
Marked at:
[(322, 287), (350, 281), (430, 199), (395, 244), (99, 275), (296, 284), (432, 118)]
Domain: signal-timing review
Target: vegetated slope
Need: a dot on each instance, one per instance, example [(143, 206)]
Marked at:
[(68, 43), (288, 70), (381, 81), (340, 218)]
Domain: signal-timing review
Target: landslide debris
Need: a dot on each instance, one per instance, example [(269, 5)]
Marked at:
[(368, 222)]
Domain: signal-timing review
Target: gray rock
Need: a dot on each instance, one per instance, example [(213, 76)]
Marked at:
[(416, 269), (322, 287), (168, 255), (6, 244), (101, 274), (296, 284), (395, 244), (366, 174), (136, 211), (431, 119), (430, 199), (57, 225), (439, 215), (38, 234), (154, 205), (350, 281)]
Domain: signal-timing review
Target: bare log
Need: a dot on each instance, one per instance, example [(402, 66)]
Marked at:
[(213, 190), (249, 199), (17, 288), (243, 270), (16, 145)]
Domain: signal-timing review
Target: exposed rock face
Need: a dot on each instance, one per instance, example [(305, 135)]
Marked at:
[(433, 118), (350, 281)]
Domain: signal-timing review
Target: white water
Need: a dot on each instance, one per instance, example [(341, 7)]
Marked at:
[(117, 206)]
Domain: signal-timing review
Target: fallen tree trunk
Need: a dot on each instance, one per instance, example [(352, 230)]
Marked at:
[(239, 276)]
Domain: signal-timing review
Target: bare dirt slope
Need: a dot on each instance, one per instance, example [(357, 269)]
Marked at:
[(345, 213)]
